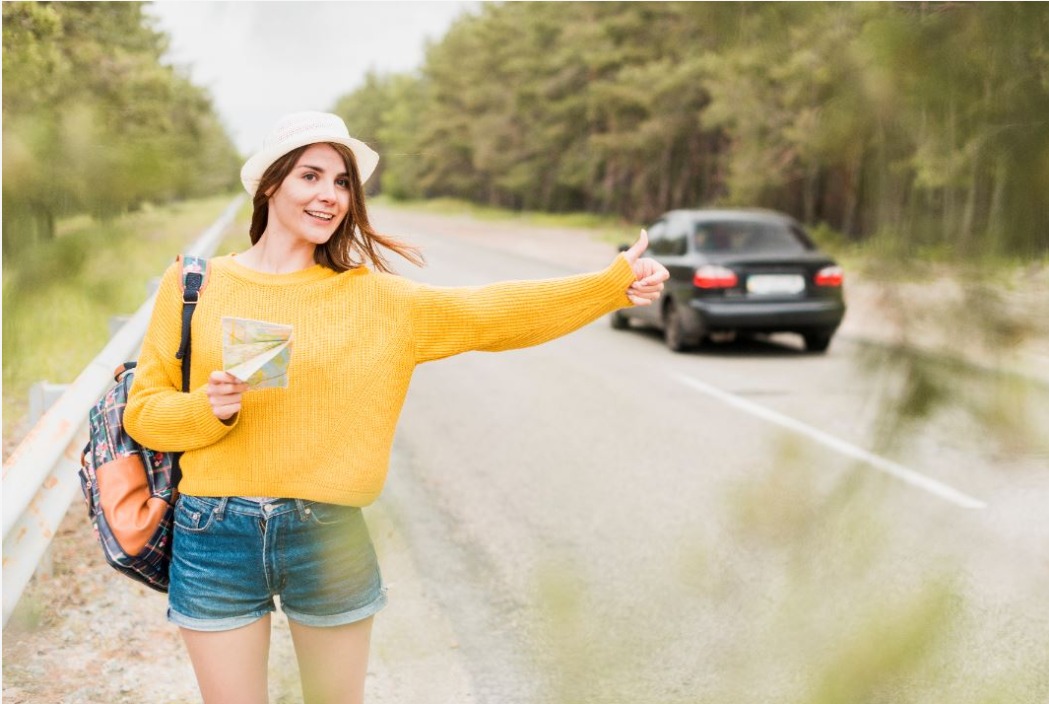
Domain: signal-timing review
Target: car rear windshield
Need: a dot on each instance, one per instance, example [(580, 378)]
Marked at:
[(739, 236)]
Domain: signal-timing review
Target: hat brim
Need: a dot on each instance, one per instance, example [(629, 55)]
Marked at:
[(253, 169)]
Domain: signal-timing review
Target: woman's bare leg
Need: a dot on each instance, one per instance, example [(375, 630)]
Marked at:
[(333, 661), (231, 666)]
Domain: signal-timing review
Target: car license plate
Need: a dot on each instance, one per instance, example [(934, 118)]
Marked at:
[(775, 284)]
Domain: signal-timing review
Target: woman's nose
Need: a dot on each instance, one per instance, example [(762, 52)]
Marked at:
[(327, 191)]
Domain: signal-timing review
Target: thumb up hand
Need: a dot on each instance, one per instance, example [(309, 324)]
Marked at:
[(638, 248), (649, 274)]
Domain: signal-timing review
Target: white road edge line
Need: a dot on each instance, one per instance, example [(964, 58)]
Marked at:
[(891, 468)]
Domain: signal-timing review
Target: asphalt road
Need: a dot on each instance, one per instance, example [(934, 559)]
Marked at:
[(601, 520)]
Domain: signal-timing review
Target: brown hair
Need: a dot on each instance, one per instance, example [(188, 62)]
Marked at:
[(354, 242)]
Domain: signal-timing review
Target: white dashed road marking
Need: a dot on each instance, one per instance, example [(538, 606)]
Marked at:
[(891, 468)]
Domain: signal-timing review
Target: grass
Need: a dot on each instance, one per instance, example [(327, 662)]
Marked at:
[(891, 256), (60, 295), (236, 238)]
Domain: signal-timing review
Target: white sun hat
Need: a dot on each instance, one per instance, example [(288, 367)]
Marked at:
[(297, 130)]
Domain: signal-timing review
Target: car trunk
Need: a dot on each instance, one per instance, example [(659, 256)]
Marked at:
[(768, 276)]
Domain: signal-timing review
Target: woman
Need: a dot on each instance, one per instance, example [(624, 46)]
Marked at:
[(273, 480)]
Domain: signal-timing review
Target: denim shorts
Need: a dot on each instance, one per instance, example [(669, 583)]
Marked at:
[(231, 556)]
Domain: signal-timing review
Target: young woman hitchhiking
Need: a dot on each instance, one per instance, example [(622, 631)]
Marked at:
[(273, 480)]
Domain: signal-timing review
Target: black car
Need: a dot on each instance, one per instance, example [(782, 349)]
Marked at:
[(741, 271)]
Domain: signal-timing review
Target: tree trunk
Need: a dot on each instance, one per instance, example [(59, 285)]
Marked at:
[(808, 194), (949, 224), (965, 231), (994, 216), (851, 195), (665, 176)]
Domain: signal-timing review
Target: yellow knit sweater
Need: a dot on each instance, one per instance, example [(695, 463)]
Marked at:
[(357, 338)]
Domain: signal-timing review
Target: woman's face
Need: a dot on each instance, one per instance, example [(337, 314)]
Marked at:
[(312, 200)]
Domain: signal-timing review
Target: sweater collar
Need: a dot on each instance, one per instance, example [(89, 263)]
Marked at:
[(307, 275)]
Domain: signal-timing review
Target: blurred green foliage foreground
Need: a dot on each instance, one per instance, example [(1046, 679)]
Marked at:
[(94, 123), (924, 123)]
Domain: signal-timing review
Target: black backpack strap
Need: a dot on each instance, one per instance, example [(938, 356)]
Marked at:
[(194, 281), (194, 278)]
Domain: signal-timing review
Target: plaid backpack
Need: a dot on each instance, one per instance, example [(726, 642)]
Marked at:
[(131, 490)]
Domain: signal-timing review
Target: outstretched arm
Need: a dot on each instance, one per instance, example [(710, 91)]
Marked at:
[(514, 314)]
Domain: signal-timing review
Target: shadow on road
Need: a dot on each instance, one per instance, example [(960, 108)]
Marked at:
[(779, 345)]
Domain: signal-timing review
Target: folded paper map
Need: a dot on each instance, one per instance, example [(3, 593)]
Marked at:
[(256, 352)]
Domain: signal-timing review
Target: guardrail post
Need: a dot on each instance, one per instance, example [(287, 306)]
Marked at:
[(42, 396)]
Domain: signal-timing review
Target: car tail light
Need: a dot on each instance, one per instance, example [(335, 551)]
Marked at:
[(711, 276), (830, 276)]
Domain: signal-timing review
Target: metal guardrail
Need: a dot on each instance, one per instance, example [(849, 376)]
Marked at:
[(40, 477)]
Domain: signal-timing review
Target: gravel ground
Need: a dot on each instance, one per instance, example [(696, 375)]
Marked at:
[(83, 633), (72, 634)]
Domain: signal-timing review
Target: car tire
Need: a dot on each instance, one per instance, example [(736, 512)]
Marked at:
[(674, 334), (817, 341), (619, 321)]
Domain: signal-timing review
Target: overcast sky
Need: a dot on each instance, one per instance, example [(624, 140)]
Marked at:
[(261, 60)]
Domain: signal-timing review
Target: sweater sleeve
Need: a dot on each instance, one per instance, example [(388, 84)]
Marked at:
[(513, 314), (159, 415)]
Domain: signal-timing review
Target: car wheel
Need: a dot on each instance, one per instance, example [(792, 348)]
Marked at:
[(674, 331), (619, 321), (817, 341)]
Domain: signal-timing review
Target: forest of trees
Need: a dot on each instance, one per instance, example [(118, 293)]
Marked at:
[(94, 123), (928, 122)]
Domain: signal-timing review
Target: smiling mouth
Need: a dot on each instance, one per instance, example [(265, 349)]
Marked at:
[(326, 217)]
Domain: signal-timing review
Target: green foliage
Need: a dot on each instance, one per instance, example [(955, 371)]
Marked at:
[(798, 590), (94, 123), (922, 120), (386, 113)]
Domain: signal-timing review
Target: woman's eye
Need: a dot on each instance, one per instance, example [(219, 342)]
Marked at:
[(344, 182), (309, 176)]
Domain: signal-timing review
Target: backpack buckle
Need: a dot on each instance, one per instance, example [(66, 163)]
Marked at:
[(191, 284)]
